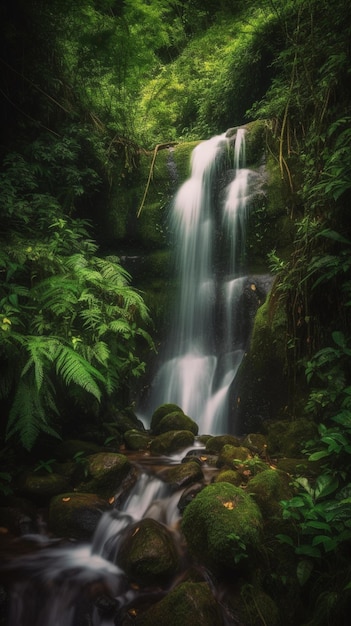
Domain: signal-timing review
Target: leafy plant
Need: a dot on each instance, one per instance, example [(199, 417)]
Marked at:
[(45, 465)]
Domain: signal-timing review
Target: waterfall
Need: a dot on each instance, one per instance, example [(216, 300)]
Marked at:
[(204, 350)]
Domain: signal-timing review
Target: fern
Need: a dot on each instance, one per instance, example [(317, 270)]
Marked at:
[(27, 417), (73, 368)]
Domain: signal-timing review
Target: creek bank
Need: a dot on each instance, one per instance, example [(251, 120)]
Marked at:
[(222, 547)]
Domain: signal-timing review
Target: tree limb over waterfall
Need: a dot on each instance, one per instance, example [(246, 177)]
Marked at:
[(160, 146)]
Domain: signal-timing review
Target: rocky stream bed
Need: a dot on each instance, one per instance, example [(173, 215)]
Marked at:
[(168, 527)]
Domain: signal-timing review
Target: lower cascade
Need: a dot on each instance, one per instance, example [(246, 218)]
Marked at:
[(68, 583)]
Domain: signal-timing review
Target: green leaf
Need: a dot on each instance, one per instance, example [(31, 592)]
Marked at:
[(304, 570)]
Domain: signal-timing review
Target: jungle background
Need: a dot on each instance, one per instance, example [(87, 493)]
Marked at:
[(89, 87)]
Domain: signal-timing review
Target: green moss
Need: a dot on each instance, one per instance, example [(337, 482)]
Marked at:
[(268, 488), (221, 525), (289, 437), (177, 420), (148, 554), (230, 455), (215, 444), (160, 412), (188, 603), (229, 476), (172, 441)]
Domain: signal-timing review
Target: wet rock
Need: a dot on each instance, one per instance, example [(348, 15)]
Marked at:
[(222, 526), (215, 444), (182, 475), (231, 456), (136, 440), (177, 420), (76, 515), (188, 603), (148, 554), (161, 412), (188, 495), (105, 473), (171, 442)]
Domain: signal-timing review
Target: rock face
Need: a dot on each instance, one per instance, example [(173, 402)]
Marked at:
[(222, 525), (148, 554)]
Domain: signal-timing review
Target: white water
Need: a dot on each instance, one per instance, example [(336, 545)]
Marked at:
[(55, 579), (203, 354)]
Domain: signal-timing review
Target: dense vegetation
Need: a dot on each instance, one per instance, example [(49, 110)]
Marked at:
[(86, 85)]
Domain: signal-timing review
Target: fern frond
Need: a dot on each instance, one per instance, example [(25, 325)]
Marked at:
[(73, 368), (27, 418), (111, 270)]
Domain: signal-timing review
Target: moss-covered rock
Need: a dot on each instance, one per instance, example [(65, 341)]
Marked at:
[(161, 412), (215, 444), (262, 381), (188, 603), (148, 554), (136, 440), (105, 473), (229, 456), (76, 515), (257, 607), (268, 489), (229, 476), (222, 525), (171, 442), (177, 420), (41, 486), (256, 442), (182, 475), (288, 437)]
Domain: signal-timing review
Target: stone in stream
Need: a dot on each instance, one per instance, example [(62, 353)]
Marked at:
[(148, 553)]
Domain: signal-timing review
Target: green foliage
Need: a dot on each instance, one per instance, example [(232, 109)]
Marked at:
[(68, 316)]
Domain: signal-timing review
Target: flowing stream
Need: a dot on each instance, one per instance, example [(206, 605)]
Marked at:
[(54, 584)]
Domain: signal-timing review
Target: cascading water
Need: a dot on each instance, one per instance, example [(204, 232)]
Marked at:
[(54, 585), (205, 349)]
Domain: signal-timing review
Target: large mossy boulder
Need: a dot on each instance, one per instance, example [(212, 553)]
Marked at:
[(171, 442), (222, 526), (105, 473), (188, 603), (177, 420), (148, 554), (268, 488), (161, 412), (76, 515)]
